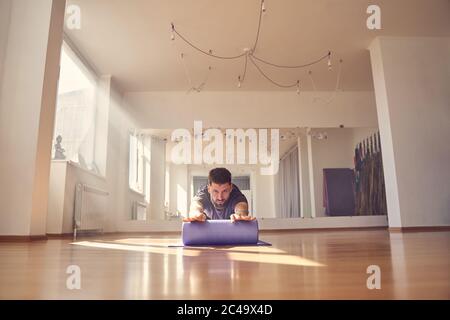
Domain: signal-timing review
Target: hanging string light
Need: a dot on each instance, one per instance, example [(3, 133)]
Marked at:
[(336, 88), (172, 35), (329, 61), (249, 54), (193, 87)]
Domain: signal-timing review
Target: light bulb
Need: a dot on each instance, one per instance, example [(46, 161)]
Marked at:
[(263, 7), (329, 61)]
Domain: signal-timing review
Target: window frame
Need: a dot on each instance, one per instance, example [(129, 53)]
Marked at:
[(139, 164), (92, 76)]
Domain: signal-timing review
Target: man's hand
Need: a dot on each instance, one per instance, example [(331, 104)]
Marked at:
[(241, 213), (196, 212), (237, 217), (196, 216)]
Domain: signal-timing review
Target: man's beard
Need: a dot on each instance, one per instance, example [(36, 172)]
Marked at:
[(218, 205)]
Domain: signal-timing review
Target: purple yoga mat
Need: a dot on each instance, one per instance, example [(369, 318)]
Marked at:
[(220, 232)]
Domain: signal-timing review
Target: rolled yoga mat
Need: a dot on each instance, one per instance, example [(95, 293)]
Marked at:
[(220, 232)]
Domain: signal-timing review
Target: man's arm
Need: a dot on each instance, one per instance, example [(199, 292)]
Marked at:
[(241, 212), (196, 212), (196, 208)]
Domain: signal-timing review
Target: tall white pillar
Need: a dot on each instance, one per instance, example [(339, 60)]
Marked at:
[(29, 78), (412, 89)]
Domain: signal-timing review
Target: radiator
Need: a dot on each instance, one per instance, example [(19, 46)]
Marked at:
[(139, 211), (90, 208)]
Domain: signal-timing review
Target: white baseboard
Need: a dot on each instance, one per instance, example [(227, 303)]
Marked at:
[(323, 222), (267, 224)]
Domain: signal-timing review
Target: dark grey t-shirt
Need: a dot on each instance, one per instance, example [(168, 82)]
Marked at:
[(212, 212)]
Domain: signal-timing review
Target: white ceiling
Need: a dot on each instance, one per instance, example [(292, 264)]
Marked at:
[(131, 39)]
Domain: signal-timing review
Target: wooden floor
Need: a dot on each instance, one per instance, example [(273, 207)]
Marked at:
[(299, 265)]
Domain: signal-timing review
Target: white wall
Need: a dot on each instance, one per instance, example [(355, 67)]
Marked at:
[(264, 201), (27, 109), (117, 164), (57, 193), (412, 81), (251, 109), (5, 13), (179, 188)]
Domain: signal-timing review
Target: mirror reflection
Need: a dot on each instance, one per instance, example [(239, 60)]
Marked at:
[(317, 172)]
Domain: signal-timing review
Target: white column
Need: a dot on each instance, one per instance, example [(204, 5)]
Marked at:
[(158, 178), (300, 178), (27, 110), (311, 174), (412, 88)]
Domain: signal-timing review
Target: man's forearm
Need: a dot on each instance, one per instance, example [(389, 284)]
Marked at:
[(196, 209)]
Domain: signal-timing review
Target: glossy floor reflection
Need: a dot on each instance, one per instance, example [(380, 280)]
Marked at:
[(299, 265)]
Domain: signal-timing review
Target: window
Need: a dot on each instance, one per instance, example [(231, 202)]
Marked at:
[(139, 165), (74, 134)]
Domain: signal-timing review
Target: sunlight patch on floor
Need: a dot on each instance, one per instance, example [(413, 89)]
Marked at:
[(149, 249), (274, 258), (150, 241), (256, 254)]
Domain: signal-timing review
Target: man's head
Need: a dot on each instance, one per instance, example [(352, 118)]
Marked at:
[(219, 186)]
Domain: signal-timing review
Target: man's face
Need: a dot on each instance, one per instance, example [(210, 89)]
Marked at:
[(219, 193)]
